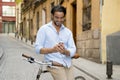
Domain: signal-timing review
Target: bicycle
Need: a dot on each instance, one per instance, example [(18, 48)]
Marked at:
[(47, 64)]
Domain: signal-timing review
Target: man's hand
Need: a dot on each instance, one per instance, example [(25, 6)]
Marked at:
[(61, 48)]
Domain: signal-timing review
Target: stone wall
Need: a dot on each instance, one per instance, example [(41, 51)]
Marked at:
[(88, 45)]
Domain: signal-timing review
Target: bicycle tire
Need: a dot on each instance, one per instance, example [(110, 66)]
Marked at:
[(80, 78), (39, 73)]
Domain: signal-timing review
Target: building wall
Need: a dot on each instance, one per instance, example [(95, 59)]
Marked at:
[(46, 6), (43, 6), (7, 23), (110, 22), (0, 16), (18, 18), (87, 42)]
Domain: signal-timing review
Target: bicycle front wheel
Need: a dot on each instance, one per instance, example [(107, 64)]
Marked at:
[(80, 78), (39, 73)]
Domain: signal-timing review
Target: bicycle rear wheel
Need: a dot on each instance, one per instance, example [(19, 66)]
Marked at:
[(80, 78)]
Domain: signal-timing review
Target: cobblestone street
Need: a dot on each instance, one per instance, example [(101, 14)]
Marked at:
[(13, 67), (35, 31)]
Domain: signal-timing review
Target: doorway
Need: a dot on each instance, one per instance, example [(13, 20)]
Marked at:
[(74, 13)]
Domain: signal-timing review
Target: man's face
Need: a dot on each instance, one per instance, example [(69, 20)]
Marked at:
[(58, 18)]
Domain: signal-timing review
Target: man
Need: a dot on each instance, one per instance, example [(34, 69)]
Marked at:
[(56, 42)]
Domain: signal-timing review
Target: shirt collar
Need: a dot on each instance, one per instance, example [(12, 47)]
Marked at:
[(50, 25)]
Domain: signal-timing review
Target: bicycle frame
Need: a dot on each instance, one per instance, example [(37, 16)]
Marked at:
[(47, 64), (41, 63)]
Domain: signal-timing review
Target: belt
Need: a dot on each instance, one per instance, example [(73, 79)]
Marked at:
[(56, 64)]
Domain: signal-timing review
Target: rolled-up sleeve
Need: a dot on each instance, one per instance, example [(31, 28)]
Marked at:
[(71, 45), (40, 38)]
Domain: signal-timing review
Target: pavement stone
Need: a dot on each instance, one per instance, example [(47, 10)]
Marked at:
[(96, 71)]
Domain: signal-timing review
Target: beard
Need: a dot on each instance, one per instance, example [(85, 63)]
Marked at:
[(57, 23)]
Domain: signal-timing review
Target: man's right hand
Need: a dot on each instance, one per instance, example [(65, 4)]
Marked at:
[(59, 48)]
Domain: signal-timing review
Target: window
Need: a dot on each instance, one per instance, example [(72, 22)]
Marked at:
[(86, 15), (8, 10), (8, 0)]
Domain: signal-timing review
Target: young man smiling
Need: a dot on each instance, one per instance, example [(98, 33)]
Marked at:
[(55, 41)]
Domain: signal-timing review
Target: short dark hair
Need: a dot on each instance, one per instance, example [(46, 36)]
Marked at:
[(58, 8)]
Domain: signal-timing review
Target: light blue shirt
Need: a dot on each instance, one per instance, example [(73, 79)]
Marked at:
[(48, 37)]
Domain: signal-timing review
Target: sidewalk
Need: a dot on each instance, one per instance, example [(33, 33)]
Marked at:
[(95, 70), (23, 40)]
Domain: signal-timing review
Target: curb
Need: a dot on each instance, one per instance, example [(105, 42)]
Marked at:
[(85, 70), (1, 53), (28, 42), (1, 56), (87, 73)]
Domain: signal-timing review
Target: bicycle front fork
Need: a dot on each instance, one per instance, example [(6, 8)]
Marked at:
[(39, 73)]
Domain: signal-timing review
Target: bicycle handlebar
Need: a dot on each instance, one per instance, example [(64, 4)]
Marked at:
[(30, 59), (26, 56), (33, 60), (75, 56)]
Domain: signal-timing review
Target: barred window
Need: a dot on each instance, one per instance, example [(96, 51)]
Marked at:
[(86, 15)]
